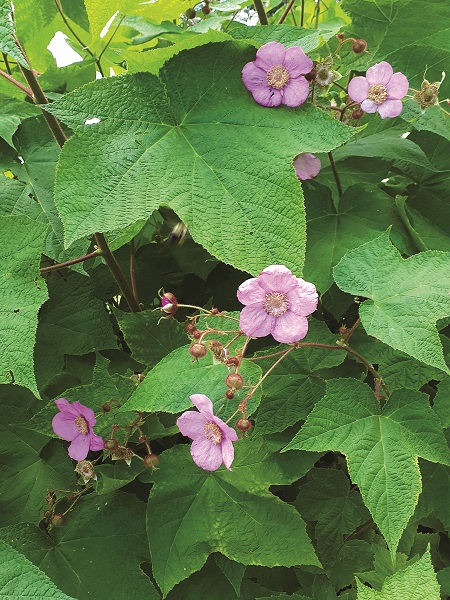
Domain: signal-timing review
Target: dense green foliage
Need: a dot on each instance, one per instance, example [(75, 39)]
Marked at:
[(147, 167)]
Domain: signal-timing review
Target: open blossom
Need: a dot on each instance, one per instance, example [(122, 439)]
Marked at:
[(276, 75), (276, 302), (213, 438), (307, 166), (75, 423), (381, 90)]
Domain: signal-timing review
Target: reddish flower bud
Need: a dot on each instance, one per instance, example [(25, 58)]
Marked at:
[(311, 76), (206, 10), (47, 514), (341, 35), (106, 407), (169, 304), (196, 334), (58, 520), (359, 46), (214, 311), (244, 424), (190, 13), (234, 381), (111, 445), (197, 350), (151, 461), (233, 362), (229, 394), (357, 114), (190, 327)]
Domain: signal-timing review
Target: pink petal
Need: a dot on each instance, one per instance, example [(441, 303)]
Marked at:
[(397, 87), (95, 442), (64, 405), (270, 55), (227, 453), (250, 292), (79, 448), (290, 328), (358, 88), (296, 92), (277, 278), (63, 425), (296, 62), (85, 412), (203, 404), (303, 299), (227, 431), (307, 166), (191, 424), (268, 97), (379, 73), (254, 321), (390, 108), (206, 455), (254, 78), (369, 106)]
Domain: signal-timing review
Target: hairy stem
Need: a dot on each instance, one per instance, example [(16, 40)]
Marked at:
[(261, 12), (22, 87), (68, 263), (302, 14), (5, 60), (351, 331), (111, 38), (335, 174), (132, 272), (286, 11)]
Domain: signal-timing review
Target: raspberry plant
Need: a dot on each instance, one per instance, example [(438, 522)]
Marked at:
[(242, 207)]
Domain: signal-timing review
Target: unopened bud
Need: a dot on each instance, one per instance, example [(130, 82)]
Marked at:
[(196, 334), (151, 461), (190, 327), (190, 13), (169, 304), (244, 424), (311, 76), (340, 35), (111, 445), (198, 350), (359, 46), (234, 381), (229, 394), (357, 114), (58, 520), (206, 10), (106, 407)]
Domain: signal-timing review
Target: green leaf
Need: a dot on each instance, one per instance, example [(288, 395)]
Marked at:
[(417, 581), (13, 113), (327, 499), (363, 213), (232, 570), (287, 35), (19, 578), (434, 119), (149, 338), (7, 42), (215, 136), (72, 321), (98, 529), (23, 291), (433, 499), (192, 513), (406, 297), (30, 465), (381, 446), (169, 384), (441, 405)]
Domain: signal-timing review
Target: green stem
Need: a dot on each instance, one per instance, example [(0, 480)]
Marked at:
[(112, 35), (261, 12), (302, 14), (69, 27), (351, 331), (5, 60), (336, 174), (317, 14), (68, 263), (286, 11)]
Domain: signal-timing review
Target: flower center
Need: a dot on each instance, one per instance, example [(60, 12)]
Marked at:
[(275, 304), (212, 432), (277, 77), (81, 425), (377, 93)]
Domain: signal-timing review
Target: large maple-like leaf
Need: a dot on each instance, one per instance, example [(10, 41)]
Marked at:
[(194, 139), (407, 297), (381, 446)]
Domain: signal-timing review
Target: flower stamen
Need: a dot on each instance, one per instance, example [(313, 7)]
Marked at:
[(276, 304), (278, 77), (81, 425), (212, 432), (377, 93)]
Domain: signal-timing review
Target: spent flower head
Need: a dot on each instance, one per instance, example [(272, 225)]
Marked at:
[(213, 438), (307, 166), (86, 469), (75, 424), (276, 75), (381, 90), (276, 302)]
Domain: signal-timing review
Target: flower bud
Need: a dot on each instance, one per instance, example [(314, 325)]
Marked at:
[(58, 520), (169, 304), (214, 311), (106, 407), (190, 327), (233, 362), (229, 394), (244, 424), (190, 13), (196, 334), (205, 9), (340, 35), (357, 114), (151, 461), (111, 445), (311, 76), (359, 46), (198, 350), (234, 381)]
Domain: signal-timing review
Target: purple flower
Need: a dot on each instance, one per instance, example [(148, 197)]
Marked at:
[(307, 166), (74, 423), (276, 302), (380, 90), (213, 438), (275, 76)]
